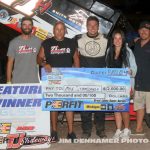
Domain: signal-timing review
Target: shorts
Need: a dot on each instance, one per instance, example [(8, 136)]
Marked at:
[(142, 100)]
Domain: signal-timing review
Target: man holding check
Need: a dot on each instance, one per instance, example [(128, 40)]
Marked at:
[(59, 51)]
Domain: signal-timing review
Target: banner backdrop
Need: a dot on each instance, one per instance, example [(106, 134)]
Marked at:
[(22, 123), (86, 89)]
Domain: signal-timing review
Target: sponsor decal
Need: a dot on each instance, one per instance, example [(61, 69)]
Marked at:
[(92, 106), (57, 104), (103, 106), (110, 107), (4, 14), (40, 33), (54, 78), (41, 6), (120, 107), (25, 128), (25, 49), (5, 128), (76, 19), (13, 20), (57, 50), (54, 82), (79, 18), (92, 48), (16, 141)]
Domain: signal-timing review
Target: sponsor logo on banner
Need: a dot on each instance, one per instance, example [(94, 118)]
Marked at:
[(54, 78), (57, 104), (4, 14), (92, 48), (42, 34), (54, 82), (16, 141), (120, 107), (92, 106), (103, 106), (5, 128), (25, 128), (110, 107), (25, 49), (57, 50), (79, 17)]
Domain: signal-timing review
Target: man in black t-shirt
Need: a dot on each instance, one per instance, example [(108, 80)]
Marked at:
[(59, 51), (142, 79)]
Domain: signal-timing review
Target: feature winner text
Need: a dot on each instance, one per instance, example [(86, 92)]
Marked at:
[(20, 96)]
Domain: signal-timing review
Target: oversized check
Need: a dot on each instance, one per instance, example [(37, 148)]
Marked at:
[(85, 89)]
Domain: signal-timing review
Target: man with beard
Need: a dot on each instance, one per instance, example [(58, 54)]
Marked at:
[(22, 54), (142, 79)]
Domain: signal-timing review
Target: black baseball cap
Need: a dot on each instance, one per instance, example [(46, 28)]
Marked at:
[(145, 24)]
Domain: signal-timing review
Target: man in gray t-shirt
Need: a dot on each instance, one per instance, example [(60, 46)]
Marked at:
[(22, 54)]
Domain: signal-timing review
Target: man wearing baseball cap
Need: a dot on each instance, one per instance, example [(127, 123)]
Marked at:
[(145, 24), (142, 79)]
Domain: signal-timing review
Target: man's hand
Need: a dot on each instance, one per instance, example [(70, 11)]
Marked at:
[(48, 68), (130, 71)]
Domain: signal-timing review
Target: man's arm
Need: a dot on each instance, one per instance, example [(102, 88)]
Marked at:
[(42, 61), (41, 57), (10, 63), (76, 59)]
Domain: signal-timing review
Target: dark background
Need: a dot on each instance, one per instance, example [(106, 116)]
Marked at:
[(135, 10)]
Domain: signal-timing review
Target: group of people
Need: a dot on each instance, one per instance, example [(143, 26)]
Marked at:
[(89, 50)]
